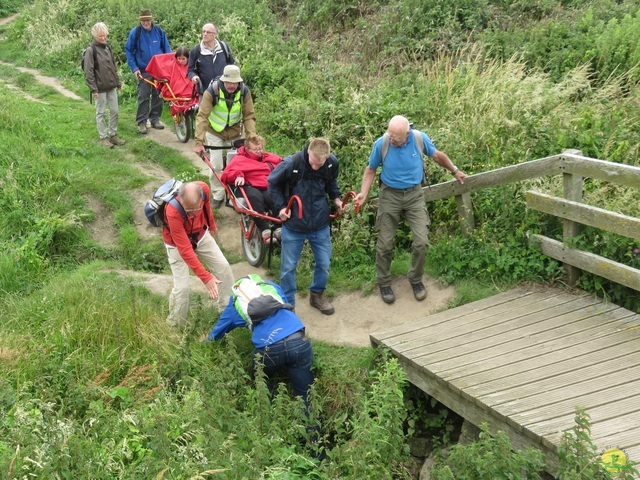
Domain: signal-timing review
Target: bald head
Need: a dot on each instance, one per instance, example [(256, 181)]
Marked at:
[(191, 195), (398, 130), (398, 126), (209, 33)]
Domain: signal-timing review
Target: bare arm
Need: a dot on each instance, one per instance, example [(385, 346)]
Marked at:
[(367, 180), (443, 160)]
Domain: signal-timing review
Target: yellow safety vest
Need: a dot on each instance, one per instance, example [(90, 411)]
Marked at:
[(221, 116)]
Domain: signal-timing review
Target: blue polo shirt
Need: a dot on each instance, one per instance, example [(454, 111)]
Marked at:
[(402, 167)]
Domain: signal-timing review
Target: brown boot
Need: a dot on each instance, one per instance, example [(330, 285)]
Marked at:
[(317, 300)]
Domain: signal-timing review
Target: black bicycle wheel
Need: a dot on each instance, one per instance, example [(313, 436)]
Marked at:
[(253, 247), (191, 127), (182, 128)]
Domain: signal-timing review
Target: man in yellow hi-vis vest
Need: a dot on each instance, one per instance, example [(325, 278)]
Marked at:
[(226, 113)]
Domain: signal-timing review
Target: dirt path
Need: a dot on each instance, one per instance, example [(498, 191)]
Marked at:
[(356, 315)]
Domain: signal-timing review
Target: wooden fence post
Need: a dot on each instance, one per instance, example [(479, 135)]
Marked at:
[(465, 214), (572, 185)]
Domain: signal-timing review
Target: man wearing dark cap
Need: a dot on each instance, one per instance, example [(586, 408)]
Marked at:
[(145, 41), (226, 110)]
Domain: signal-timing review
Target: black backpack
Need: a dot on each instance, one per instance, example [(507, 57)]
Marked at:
[(84, 52), (95, 56)]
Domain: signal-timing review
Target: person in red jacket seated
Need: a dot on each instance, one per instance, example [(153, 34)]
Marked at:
[(249, 169), (188, 231)]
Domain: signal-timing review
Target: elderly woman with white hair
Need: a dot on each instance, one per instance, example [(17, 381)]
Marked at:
[(101, 75)]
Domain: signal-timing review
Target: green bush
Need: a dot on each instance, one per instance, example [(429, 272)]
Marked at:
[(492, 456)]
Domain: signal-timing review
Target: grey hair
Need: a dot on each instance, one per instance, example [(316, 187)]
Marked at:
[(99, 28)]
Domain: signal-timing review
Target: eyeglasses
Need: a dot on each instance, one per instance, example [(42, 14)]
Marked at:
[(193, 210), (210, 32), (398, 139), (256, 149)]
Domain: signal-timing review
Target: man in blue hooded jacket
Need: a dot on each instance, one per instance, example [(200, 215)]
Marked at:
[(145, 41), (312, 175)]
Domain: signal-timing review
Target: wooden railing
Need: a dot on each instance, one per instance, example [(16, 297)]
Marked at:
[(574, 168)]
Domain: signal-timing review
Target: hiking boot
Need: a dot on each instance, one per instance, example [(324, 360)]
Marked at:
[(387, 294), (419, 291), (157, 126), (105, 142), (142, 128), (116, 140), (317, 300)]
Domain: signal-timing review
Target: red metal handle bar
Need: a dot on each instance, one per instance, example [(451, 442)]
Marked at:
[(350, 195), (247, 210)]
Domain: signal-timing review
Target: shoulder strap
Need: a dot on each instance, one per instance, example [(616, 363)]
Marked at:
[(138, 29), (295, 174), (227, 52), (385, 146), (178, 206), (418, 137), (214, 89)]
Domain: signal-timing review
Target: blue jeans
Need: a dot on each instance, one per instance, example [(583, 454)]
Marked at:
[(292, 243), (295, 355)]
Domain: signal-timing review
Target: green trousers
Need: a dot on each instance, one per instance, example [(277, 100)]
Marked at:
[(393, 205)]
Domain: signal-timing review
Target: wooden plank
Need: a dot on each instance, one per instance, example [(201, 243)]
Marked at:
[(510, 174), (467, 313), (483, 391), (572, 190), (574, 392), (530, 358), (622, 431), (614, 271), (501, 320), (479, 319), (513, 334), (585, 214), (601, 169), (479, 181), (527, 412), (543, 428), (523, 363), (616, 372)]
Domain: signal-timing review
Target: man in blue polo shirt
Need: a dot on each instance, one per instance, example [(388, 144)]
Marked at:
[(400, 151)]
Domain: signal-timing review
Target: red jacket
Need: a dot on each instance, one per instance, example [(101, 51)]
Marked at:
[(253, 168), (176, 231)]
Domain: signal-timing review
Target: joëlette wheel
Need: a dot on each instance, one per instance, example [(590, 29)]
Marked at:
[(254, 247)]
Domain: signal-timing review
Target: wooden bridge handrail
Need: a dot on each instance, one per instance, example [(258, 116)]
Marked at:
[(585, 214), (626, 175)]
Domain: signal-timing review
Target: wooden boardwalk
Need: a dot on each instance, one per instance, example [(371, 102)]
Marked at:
[(522, 361)]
